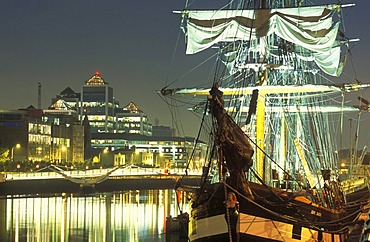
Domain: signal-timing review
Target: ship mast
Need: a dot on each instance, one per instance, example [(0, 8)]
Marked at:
[(260, 129)]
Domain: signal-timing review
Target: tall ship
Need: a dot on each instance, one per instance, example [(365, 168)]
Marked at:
[(273, 115)]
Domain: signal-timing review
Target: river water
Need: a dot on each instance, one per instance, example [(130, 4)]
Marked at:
[(101, 217)]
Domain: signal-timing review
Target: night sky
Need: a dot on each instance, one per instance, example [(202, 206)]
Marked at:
[(131, 43)]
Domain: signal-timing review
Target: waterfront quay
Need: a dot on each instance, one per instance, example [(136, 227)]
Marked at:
[(56, 180)]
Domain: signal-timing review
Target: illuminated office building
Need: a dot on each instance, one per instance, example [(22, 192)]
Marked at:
[(154, 151), (132, 120), (66, 100), (42, 135), (98, 104), (14, 133), (67, 136), (26, 133), (39, 135)]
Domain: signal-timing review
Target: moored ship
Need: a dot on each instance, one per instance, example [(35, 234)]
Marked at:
[(271, 117)]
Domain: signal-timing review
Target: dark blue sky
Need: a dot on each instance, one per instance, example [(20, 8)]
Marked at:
[(63, 43), (131, 43)]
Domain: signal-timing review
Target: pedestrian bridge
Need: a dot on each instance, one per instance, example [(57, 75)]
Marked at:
[(55, 179), (95, 176)]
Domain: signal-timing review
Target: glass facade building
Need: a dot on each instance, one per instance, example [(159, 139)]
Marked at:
[(98, 104)]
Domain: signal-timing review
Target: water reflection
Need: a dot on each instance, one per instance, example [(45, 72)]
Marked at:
[(125, 216)]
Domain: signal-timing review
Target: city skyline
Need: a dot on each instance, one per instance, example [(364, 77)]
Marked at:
[(131, 44), (62, 44)]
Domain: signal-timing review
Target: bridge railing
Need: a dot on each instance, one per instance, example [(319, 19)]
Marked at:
[(124, 171)]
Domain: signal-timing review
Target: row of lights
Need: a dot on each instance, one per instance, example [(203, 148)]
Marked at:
[(38, 166)]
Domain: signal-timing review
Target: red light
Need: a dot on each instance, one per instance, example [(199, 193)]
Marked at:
[(97, 73)]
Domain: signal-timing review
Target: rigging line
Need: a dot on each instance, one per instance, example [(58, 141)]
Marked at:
[(169, 106), (173, 54), (208, 167), (363, 201), (179, 124), (341, 126), (308, 95), (173, 114), (268, 187), (352, 64), (226, 5), (214, 192), (196, 142), (227, 215), (339, 220), (188, 5), (318, 141), (340, 16), (315, 225), (268, 156), (172, 99), (199, 133), (357, 133), (239, 102), (289, 218), (303, 147), (172, 105), (191, 70), (217, 68), (323, 77), (176, 45)]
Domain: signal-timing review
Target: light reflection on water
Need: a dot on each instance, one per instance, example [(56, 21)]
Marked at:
[(125, 216)]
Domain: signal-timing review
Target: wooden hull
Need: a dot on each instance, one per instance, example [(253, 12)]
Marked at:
[(253, 228), (272, 221)]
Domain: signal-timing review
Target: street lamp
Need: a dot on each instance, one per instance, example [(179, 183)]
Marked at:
[(61, 150), (64, 149), (16, 146), (136, 156), (105, 150)]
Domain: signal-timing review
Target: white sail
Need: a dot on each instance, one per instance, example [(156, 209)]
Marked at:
[(311, 28)]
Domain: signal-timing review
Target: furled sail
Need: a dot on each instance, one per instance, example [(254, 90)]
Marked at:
[(236, 148), (237, 152), (311, 28)]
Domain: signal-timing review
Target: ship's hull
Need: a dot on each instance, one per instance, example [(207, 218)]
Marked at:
[(258, 221), (253, 228)]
